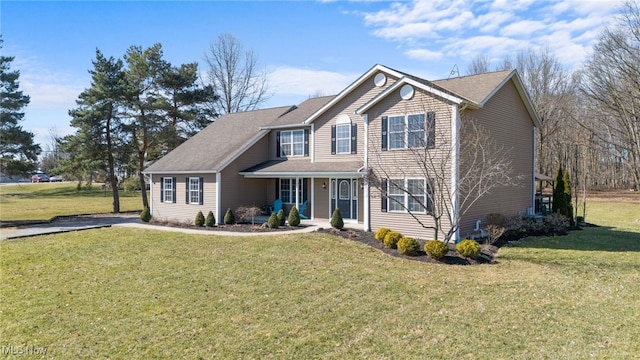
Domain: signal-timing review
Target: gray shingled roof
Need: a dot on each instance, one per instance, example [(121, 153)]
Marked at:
[(302, 111), (215, 145), (303, 166), (475, 88)]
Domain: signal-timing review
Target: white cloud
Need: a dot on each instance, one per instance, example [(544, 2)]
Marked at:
[(423, 54), (285, 80), (446, 30)]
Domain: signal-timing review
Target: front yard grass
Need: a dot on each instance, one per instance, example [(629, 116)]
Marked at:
[(43, 201), (127, 293)]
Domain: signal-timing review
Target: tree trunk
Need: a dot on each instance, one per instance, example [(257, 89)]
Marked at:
[(113, 180)]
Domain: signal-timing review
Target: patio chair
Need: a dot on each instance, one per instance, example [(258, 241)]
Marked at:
[(277, 206), (303, 207)]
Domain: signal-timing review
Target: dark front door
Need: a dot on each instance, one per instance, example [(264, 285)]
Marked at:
[(344, 198)]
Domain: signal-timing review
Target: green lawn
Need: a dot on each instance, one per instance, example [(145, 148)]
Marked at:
[(45, 200), (124, 293)]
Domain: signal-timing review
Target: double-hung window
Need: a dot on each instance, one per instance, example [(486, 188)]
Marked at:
[(168, 190), (408, 132), (343, 139), (408, 195), (194, 190), (292, 143)]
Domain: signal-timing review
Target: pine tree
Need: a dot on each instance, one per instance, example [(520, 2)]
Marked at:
[(18, 152), (294, 217), (211, 220), (568, 207), (336, 219), (558, 192), (229, 218)]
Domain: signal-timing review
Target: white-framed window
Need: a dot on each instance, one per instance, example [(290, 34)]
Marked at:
[(408, 132), (343, 138), (288, 190), (408, 195), (194, 190), (168, 190), (292, 143), (396, 132)]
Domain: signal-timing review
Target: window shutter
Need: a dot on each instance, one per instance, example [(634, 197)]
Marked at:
[(173, 193), (306, 142), (186, 190), (383, 195), (333, 139), (161, 189), (354, 138), (431, 130), (278, 144), (304, 189), (385, 131), (429, 191), (201, 187), (278, 189)]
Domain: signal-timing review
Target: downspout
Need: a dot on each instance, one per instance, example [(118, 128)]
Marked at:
[(365, 206), (151, 194), (533, 172)]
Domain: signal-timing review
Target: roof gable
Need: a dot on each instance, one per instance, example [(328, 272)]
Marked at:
[(367, 75)]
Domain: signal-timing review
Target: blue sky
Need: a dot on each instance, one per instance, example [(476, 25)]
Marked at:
[(307, 47)]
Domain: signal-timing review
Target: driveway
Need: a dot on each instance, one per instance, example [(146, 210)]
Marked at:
[(69, 223)]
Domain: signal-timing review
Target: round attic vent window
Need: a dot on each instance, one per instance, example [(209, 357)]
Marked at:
[(380, 79), (406, 92)]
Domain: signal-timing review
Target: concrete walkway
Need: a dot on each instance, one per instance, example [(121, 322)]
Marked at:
[(69, 223)]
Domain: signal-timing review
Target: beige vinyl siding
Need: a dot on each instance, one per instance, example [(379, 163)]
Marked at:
[(347, 106), (180, 210), (507, 120), (404, 163), (238, 190), (321, 198)]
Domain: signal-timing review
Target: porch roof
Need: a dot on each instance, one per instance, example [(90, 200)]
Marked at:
[(303, 168)]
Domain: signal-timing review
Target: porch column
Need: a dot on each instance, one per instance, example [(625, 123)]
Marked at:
[(297, 193)]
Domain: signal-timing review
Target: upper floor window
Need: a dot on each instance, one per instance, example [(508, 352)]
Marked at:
[(293, 143), (344, 139), (408, 132)]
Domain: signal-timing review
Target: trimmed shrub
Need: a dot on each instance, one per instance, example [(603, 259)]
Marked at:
[(273, 222), (145, 215), (468, 248), (199, 219), (408, 246), (229, 219), (391, 239), (336, 220), (211, 220), (280, 216), (436, 249), (294, 217), (381, 233)]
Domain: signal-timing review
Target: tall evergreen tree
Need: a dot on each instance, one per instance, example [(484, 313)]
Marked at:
[(568, 207), (145, 68), (97, 117), (18, 152), (185, 105), (558, 192)]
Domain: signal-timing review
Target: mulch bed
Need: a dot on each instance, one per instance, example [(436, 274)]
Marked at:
[(240, 227), (452, 257)]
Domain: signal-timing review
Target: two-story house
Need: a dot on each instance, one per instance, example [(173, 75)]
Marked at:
[(323, 150)]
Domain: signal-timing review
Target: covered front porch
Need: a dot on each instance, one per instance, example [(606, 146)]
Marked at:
[(316, 188)]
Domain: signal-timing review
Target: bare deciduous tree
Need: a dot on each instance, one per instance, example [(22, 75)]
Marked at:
[(612, 83), (234, 75), (484, 166), (480, 64)]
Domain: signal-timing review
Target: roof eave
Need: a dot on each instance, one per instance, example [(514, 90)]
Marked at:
[(281, 174)]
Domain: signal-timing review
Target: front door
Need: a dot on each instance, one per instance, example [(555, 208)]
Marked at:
[(345, 197)]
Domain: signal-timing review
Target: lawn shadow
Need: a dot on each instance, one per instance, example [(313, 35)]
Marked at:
[(587, 238)]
